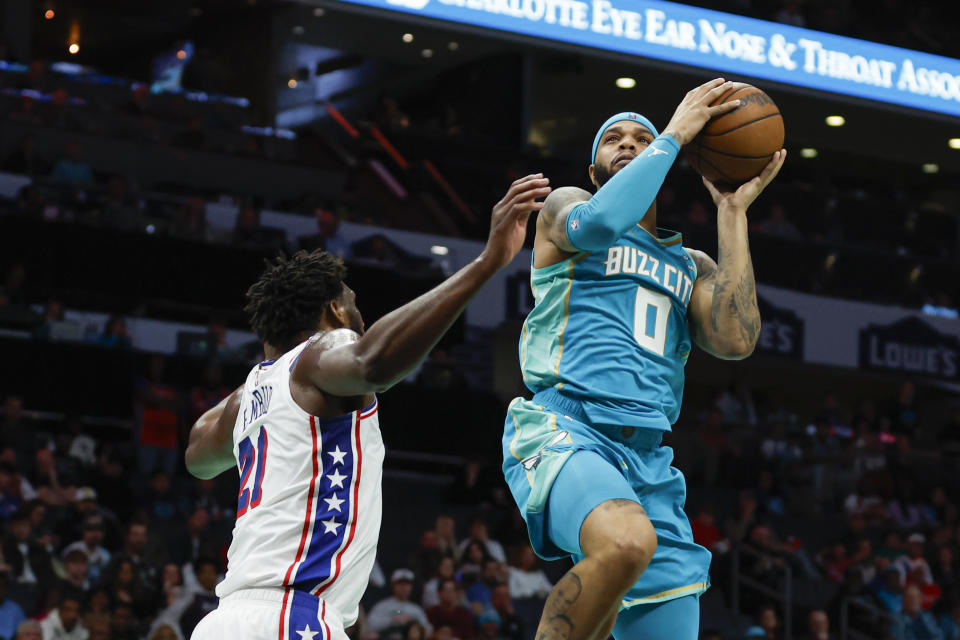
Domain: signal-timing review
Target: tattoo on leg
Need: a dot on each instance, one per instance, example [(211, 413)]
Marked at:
[(555, 623)]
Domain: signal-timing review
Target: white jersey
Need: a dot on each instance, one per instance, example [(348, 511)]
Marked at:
[(309, 507)]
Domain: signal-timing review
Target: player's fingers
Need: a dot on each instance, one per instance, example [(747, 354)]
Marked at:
[(534, 189), (717, 91), (528, 178), (706, 86), (524, 208), (519, 188), (518, 185), (711, 188), (773, 167), (726, 107)]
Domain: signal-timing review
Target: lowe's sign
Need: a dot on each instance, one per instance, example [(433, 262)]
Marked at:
[(711, 39)]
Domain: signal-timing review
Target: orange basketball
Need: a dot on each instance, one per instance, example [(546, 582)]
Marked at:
[(736, 146)]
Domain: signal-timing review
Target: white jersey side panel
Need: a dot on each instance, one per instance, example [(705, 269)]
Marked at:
[(309, 508)]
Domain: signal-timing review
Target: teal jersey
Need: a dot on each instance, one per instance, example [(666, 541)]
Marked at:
[(609, 328)]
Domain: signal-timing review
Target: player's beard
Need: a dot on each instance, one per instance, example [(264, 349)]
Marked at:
[(601, 174)]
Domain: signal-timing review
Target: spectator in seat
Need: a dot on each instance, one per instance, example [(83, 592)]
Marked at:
[(115, 334), (917, 623), (768, 620), (914, 560), (446, 569), (77, 571), (97, 557), (450, 611), (445, 528), (246, 229), (480, 533), (479, 593), (190, 221), (11, 613), (72, 168), (117, 210), (145, 562), (29, 630), (123, 623), (63, 622), (890, 593), (818, 626), (390, 615), (511, 626), (705, 531), (527, 580), (157, 406), (328, 236), (30, 562)]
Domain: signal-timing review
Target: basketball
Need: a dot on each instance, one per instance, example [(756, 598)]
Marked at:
[(736, 146)]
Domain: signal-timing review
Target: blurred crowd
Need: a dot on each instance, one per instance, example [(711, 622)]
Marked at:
[(855, 501)]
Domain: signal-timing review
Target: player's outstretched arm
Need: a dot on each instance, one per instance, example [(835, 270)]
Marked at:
[(345, 364), (210, 451), (724, 317), (595, 223)]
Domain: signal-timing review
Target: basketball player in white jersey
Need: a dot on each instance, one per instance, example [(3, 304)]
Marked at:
[(304, 433)]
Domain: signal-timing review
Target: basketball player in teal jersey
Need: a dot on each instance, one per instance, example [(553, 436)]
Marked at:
[(617, 303)]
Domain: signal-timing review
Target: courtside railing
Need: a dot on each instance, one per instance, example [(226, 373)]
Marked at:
[(879, 616), (784, 595)]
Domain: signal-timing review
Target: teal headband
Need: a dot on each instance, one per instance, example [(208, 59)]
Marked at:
[(626, 115)]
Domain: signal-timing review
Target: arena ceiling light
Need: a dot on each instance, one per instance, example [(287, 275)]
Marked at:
[(930, 167), (292, 83), (808, 152), (74, 49), (407, 37), (626, 83), (49, 14), (427, 53), (439, 250), (318, 12), (836, 121), (453, 46), (954, 143)]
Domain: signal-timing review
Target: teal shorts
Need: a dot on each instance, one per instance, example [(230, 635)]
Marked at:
[(581, 465)]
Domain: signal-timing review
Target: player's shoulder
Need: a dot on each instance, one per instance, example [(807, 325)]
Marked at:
[(326, 341), (706, 266), (562, 197), (551, 221)]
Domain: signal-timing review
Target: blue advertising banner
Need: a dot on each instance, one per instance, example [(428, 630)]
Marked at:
[(714, 40)]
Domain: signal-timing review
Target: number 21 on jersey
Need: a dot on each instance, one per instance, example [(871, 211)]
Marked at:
[(249, 458), (650, 317)]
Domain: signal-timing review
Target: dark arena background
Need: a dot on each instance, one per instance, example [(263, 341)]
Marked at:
[(152, 154)]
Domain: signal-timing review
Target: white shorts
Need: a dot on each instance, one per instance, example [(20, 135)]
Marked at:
[(271, 614)]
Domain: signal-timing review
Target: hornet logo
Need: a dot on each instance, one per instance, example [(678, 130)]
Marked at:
[(533, 461)]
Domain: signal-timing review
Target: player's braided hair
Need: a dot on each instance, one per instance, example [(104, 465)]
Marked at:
[(291, 294)]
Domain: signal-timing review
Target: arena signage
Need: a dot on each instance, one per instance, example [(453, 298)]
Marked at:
[(728, 43), (781, 331), (911, 346)]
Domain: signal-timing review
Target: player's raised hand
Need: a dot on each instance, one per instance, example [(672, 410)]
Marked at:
[(508, 223), (694, 110), (746, 193)]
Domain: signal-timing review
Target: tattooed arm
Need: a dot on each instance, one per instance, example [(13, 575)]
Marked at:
[(724, 318)]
